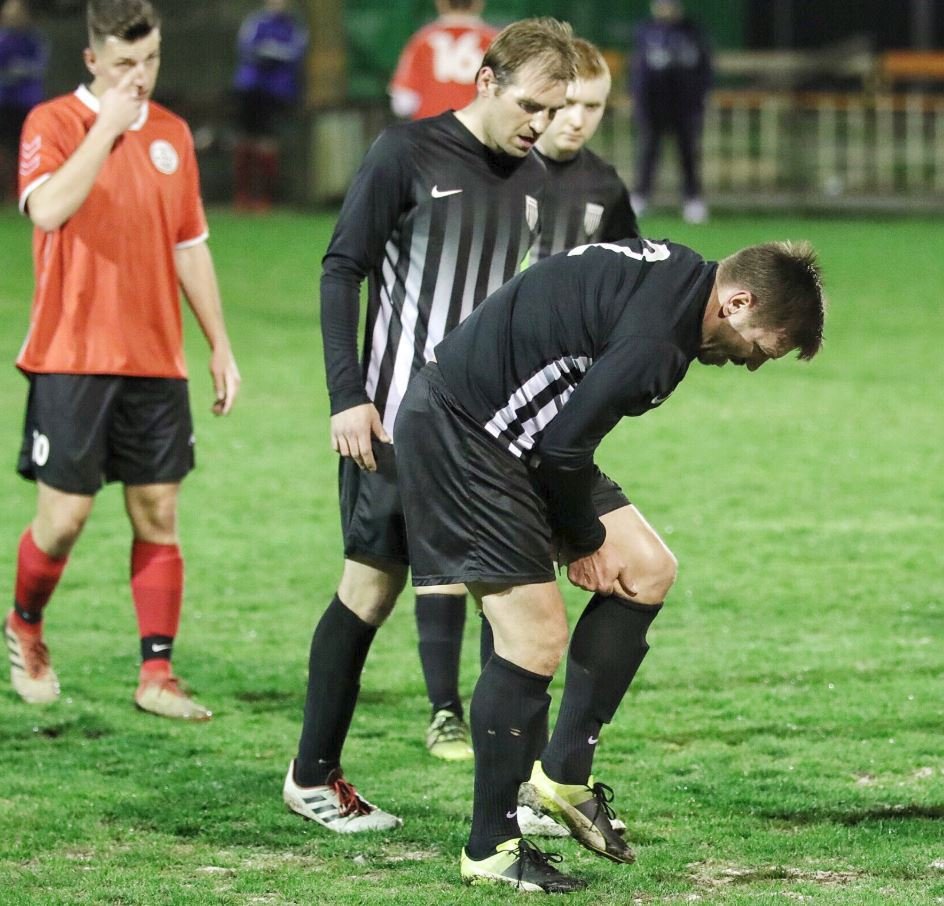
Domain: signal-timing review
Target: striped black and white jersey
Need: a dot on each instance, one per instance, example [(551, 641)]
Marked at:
[(436, 222), (551, 362), (584, 201)]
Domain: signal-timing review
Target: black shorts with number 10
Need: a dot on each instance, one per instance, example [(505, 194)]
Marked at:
[(82, 430)]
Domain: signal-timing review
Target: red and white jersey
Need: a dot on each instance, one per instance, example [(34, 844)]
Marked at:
[(107, 298), (437, 68)]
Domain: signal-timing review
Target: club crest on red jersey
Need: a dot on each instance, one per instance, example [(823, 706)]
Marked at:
[(164, 157)]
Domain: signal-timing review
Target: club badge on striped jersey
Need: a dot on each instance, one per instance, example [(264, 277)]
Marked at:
[(531, 212), (592, 216), (164, 157)]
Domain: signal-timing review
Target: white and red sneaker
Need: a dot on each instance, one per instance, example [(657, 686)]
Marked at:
[(162, 693), (31, 674), (337, 805)]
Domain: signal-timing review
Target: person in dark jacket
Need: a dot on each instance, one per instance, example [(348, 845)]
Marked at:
[(272, 44), (24, 54), (670, 77)]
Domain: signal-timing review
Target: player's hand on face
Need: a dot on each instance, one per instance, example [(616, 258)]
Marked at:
[(353, 431), (226, 379), (120, 105)]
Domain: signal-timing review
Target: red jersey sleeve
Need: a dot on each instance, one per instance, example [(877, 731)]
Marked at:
[(192, 227), (408, 71), (47, 141)]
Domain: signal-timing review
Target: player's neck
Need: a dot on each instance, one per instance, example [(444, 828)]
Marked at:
[(548, 150), (470, 118)]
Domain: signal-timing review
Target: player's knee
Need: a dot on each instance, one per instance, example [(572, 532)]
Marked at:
[(159, 526), (55, 531), (549, 648), (153, 515), (657, 576), (371, 592)]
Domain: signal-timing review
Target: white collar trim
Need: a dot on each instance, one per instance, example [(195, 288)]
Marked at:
[(93, 104)]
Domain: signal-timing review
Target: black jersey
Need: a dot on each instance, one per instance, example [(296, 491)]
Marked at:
[(584, 201), (553, 360), (435, 221)]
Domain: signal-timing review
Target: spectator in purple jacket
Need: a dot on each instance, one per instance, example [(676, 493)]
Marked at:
[(24, 54), (272, 44), (670, 77)]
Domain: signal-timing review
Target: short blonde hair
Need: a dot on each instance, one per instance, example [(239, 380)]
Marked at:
[(785, 279), (591, 64), (544, 42)]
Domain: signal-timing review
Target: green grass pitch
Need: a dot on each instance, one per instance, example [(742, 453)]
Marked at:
[(782, 744)]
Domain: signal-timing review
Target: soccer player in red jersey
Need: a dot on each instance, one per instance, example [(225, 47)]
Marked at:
[(109, 179), (437, 68)]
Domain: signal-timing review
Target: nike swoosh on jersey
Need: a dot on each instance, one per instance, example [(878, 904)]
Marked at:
[(659, 400), (442, 193)]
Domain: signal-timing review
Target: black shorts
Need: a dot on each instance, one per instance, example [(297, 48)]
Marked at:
[(473, 511), (259, 113), (371, 511), (82, 430)]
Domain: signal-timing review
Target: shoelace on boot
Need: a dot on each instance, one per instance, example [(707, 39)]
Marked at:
[(603, 795), (36, 654), (542, 861), (450, 730), (348, 800)]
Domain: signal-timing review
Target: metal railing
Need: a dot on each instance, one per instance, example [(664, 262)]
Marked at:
[(812, 149)]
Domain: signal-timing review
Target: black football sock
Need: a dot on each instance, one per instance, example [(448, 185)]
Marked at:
[(607, 647), (508, 715), (339, 648), (486, 642), (440, 621)]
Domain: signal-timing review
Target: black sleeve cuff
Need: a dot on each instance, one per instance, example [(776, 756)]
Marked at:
[(573, 517)]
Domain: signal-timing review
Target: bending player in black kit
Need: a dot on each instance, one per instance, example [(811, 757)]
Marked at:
[(441, 212), (495, 458)]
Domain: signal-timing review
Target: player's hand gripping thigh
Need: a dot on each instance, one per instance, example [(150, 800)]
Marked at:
[(529, 624), (603, 572), (647, 568), (353, 431)]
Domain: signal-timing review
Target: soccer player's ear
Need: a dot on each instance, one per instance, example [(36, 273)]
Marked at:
[(485, 80), (742, 298), (88, 56)]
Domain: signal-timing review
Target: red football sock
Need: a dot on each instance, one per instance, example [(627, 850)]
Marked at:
[(155, 669), (37, 575), (269, 165), (242, 172), (157, 586)]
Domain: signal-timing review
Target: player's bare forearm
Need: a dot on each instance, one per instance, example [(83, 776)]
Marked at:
[(198, 279), (56, 200), (353, 431)]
